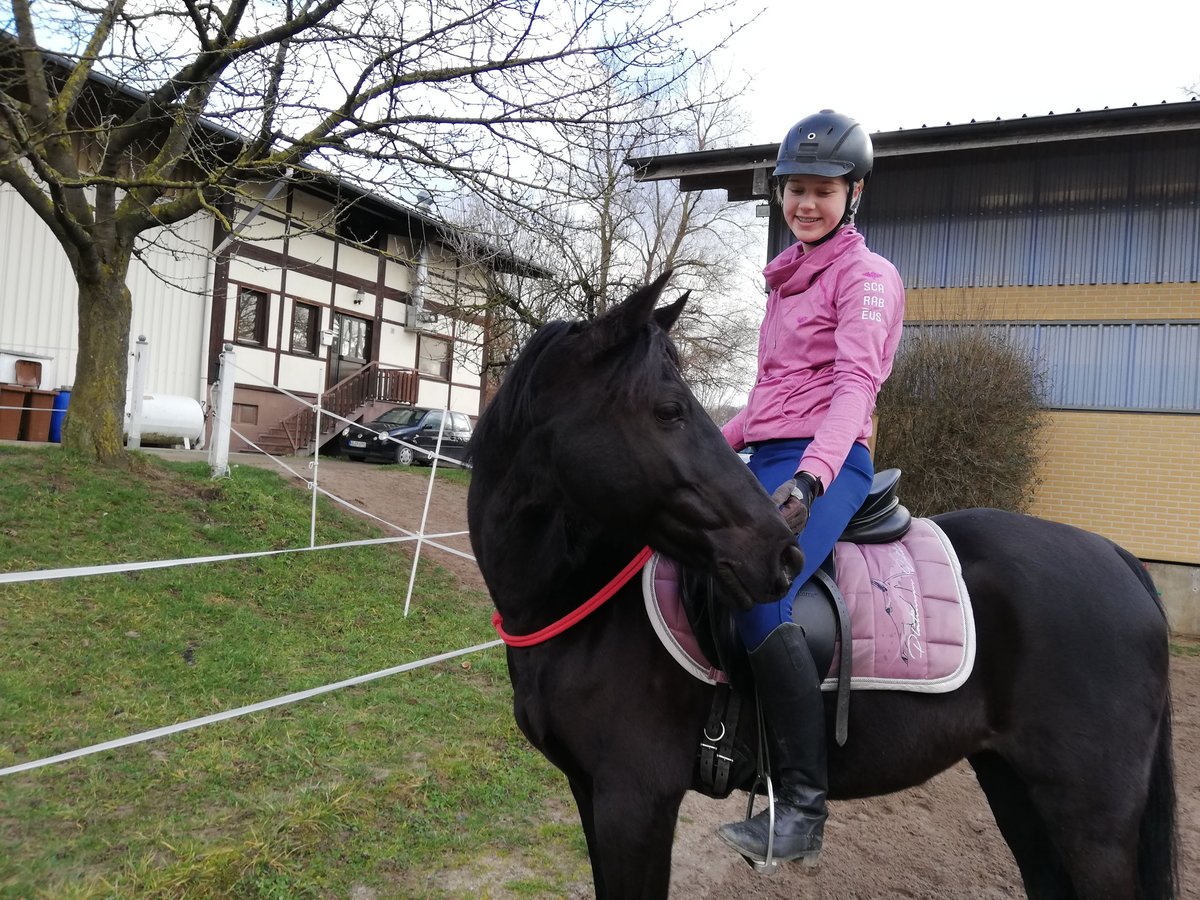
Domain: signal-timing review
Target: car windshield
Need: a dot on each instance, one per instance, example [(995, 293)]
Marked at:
[(404, 415)]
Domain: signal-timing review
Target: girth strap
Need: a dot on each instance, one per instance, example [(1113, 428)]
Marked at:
[(717, 750)]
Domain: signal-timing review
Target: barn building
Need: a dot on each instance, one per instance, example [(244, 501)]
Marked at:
[(321, 289), (1079, 233)]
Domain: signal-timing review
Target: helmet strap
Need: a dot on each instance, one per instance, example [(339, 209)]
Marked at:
[(853, 199)]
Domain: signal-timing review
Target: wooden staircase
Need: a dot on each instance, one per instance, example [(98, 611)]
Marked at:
[(349, 398)]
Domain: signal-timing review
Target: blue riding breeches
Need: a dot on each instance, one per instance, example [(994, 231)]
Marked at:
[(773, 463)]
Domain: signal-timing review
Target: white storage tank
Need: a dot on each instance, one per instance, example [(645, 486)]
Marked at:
[(169, 419)]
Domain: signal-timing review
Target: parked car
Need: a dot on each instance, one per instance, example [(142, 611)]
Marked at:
[(413, 425)]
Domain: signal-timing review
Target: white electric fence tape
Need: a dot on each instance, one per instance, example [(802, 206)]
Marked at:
[(118, 568), (242, 710), (362, 512)]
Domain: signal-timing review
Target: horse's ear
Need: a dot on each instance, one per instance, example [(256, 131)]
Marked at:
[(630, 317), (637, 310), (667, 316)]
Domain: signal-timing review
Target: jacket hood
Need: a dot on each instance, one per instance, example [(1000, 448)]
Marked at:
[(794, 271)]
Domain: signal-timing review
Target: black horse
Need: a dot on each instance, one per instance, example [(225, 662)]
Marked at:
[(594, 448)]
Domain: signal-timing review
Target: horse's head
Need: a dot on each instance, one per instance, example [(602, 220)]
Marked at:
[(596, 421)]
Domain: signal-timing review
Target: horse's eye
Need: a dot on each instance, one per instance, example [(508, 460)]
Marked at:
[(668, 412)]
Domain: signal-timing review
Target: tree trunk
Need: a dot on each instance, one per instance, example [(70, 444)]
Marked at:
[(95, 422)]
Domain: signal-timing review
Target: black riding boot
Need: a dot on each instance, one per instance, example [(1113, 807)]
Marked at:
[(790, 692)]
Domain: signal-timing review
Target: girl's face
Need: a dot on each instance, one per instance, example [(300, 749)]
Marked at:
[(813, 205)]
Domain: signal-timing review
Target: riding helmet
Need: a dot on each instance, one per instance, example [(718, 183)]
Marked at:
[(826, 144)]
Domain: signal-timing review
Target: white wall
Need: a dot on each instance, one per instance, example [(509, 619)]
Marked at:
[(39, 298)]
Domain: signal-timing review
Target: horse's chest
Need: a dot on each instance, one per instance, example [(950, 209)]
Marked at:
[(554, 696)]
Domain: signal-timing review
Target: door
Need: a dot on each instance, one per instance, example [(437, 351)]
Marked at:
[(351, 346)]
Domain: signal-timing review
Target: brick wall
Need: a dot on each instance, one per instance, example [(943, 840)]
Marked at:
[(1058, 303), (1132, 477)]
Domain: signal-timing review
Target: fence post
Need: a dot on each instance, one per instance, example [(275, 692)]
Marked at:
[(433, 464), (141, 361), (316, 462), (218, 455)]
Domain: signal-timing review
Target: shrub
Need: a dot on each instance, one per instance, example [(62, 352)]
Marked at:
[(961, 415)]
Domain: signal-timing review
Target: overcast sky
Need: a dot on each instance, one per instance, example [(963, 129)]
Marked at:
[(903, 64)]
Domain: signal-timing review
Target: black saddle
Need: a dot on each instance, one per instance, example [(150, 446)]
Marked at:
[(881, 518)]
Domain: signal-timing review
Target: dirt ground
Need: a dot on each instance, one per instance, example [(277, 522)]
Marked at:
[(935, 842)]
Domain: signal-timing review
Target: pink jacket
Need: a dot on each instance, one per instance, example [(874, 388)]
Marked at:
[(826, 345)]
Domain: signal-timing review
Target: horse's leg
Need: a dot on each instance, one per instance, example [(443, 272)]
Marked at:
[(1088, 804), (1022, 827), (635, 830), (581, 788)]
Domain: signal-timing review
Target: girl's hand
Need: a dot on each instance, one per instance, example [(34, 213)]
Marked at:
[(794, 498)]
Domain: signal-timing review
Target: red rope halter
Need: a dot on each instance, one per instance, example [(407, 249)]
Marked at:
[(572, 618)]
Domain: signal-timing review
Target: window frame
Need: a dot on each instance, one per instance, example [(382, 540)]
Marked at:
[(313, 338), (259, 336), (444, 365)]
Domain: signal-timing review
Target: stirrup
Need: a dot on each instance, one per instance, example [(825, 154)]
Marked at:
[(769, 865)]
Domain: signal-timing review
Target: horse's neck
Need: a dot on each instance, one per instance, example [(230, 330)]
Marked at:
[(550, 565)]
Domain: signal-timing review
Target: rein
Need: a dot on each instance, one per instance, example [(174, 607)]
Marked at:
[(572, 618)]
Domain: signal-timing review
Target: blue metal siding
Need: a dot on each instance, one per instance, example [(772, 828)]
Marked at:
[(1144, 366), (1118, 211)]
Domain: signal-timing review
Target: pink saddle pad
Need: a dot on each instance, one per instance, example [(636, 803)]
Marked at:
[(910, 614)]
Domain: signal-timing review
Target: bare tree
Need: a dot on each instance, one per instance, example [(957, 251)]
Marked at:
[(597, 234), (125, 116)]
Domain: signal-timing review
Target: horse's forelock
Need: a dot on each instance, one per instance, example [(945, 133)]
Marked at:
[(641, 364)]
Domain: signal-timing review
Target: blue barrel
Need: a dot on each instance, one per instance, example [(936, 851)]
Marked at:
[(61, 401)]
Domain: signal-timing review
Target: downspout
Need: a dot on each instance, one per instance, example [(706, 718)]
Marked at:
[(205, 324)]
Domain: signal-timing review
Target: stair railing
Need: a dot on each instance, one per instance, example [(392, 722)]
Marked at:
[(370, 383)]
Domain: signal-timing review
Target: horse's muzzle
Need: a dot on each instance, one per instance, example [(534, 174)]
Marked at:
[(791, 563), (746, 583)]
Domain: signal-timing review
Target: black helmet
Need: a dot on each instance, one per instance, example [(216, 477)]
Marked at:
[(827, 144)]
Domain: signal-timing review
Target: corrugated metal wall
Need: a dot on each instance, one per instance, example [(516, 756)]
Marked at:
[(1115, 211), (38, 298), (1137, 366), (37, 290)]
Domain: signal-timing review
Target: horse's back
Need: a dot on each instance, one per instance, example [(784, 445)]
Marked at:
[(1041, 556), (1057, 601)]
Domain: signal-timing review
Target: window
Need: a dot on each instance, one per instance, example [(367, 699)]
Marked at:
[(352, 337), (244, 414), (306, 323), (434, 357), (251, 317)]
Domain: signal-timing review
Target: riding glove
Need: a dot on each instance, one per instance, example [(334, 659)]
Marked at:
[(795, 497)]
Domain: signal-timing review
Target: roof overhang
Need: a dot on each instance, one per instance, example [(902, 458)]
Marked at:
[(744, 171)]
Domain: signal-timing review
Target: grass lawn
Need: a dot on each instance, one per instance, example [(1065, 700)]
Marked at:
[(416, 785)]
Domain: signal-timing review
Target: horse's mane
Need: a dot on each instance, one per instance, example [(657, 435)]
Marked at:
[(510, 411)]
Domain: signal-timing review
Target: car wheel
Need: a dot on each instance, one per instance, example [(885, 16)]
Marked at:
[(404, 455)]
